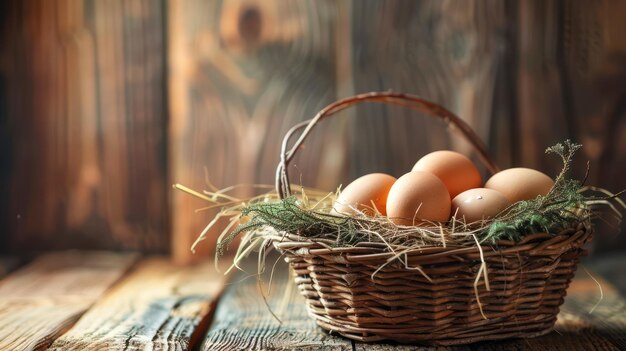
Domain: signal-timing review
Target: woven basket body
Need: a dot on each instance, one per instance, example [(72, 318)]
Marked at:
[(438, 294), (527, 281)]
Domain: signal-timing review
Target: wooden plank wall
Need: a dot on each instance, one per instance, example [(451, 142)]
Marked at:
[(87, 149), (525, 75), (241, 74), (83, 116)]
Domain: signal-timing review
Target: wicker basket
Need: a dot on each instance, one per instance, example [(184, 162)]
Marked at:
[(527, 280)]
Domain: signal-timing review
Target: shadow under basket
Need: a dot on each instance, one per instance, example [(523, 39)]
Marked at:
[(527, 281), (435, 295)]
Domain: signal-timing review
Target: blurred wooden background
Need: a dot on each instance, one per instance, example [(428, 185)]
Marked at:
[(105, 103)]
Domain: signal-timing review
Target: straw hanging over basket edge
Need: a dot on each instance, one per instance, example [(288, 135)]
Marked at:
[(316, 288), (347, 287)]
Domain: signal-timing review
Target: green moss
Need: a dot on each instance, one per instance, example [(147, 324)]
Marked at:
[(562, 207)]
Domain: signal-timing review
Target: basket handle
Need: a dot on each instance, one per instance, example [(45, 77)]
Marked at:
[(409, 101)]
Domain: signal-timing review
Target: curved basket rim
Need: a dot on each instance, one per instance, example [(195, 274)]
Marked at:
[(534, 244)]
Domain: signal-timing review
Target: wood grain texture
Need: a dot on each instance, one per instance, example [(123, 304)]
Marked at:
[(42, 300), (159, 306), (446, 51), (87, 153), (242, 73), (570, 84), (243, 322), (525, 75), (83, 110)]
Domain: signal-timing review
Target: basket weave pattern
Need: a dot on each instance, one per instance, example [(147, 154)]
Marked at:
[(528, 282), (438, 295)]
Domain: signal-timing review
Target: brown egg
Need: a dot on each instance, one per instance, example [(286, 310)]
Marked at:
[(417, 197), (455, 170), (477, 204), (520, 183), (364, 193)]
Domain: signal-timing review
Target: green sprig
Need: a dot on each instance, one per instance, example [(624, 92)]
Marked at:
[(563, 207)]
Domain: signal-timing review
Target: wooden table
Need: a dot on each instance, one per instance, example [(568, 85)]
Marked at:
[(117, 301)]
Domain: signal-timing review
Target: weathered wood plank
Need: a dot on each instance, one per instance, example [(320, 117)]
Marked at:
[(159, 306), (448, 52), (570, 83), (243, 322), (82, 87), (42, 300), (241, 74)]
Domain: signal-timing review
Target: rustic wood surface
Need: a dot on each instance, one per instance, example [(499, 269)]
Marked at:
[(242, 322), (42, 300), (159, 306)]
